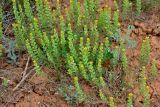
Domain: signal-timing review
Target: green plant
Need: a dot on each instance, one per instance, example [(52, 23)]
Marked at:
[(47, 15), (130, 43), (28, 10), (115, 56), (75, 10), (107, 51), (33, 48), (130, 100), (90, 9), (154, 69), (146, 97), (5, 82), (73, 69), (18, 27), (102, 82), (83, 71), (104, 22), (126, 8), (127, 79), (81, 95), (37, 68), (102, 96), (111, 102), (9, 47), (138, 7), (116, 24), (76, 42), (40, 12), (69, 94), (142, 80), (145, 52), (124, 61), (92, 72)]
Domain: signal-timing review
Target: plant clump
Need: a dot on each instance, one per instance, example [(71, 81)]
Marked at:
[(79, 44)]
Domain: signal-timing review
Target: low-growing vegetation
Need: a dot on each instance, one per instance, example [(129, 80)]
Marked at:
[(84, 42)]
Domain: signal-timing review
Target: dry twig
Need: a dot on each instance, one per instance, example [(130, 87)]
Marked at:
[(25, 70), (23, 79), (25, 75)]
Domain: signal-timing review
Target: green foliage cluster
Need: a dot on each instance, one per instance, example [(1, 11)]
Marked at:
[(5, 82), (111, 102), (73, 42), (154, 69), (81, 95), (143, 76), (126, 8), (78, 42), (130, 100), (102, 96), (144, 89), (9, 46), (143, 79), (145, 52), (69, 94), (146, 97), (138, 7), (129, 42)]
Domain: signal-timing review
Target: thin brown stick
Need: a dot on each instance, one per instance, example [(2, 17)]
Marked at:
[(23, 79), (26, 67)]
